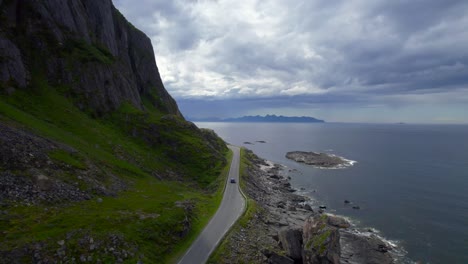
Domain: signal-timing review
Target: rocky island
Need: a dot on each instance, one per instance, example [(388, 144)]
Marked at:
[(319, 160)]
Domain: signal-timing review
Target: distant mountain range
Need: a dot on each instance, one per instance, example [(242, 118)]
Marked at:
[(264, 119)]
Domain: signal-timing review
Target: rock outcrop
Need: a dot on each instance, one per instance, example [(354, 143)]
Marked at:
[(321, 241), (85, 45), (319, 160), (291, 241)]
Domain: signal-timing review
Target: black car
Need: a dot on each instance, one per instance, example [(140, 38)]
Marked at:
[(233, 180)]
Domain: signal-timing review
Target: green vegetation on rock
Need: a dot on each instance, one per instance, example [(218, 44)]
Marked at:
[(318, 242), (67, 158), (84, 52)]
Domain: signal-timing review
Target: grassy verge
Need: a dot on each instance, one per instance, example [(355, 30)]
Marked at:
[(251, 209)]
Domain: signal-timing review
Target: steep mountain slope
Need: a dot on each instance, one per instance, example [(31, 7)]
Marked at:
[(96, 161)]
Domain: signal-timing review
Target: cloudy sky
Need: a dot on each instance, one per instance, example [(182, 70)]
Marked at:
[(343, 60)]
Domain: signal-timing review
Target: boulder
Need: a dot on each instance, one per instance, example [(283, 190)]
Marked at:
[(337, 221), (298, 199), (291, 240), (274, 176), (281, 204), (43, 182), (321, 241), (308, 207), (364, 249)]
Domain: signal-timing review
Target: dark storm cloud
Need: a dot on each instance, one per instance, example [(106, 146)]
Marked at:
[(309, 52)]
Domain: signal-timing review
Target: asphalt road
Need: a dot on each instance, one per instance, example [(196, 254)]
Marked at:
[(228, 212)]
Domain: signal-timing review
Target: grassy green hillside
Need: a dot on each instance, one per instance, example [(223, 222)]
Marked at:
[(169, 175)]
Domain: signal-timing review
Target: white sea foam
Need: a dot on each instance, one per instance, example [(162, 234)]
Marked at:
[(347, 163), (269, 165)]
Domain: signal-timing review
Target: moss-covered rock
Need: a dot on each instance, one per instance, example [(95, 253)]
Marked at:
[(321, 241)]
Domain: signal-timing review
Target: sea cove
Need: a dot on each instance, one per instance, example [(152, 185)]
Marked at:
[(409, 180)]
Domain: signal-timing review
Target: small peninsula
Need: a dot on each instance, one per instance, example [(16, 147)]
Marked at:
[(263, 119), (319, 160)]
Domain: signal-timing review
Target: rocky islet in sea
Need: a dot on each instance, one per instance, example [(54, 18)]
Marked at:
[(319, 160)]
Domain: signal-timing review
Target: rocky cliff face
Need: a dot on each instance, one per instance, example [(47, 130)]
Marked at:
[(85, 45)]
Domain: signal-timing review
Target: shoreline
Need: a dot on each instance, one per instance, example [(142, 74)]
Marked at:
[(285, 228)]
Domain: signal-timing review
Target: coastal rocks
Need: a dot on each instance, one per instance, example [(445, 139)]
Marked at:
[(364, 249), (328, 239), (308, 207), (321, 241), (291, 241), (337, 221), (319, 160), (286, 224)]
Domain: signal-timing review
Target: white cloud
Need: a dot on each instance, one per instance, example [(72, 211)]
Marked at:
[(373, 49)]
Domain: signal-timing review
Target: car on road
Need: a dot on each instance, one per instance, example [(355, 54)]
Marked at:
[(233, 180)]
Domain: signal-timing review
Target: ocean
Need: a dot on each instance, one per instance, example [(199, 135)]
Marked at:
[(410, 181)]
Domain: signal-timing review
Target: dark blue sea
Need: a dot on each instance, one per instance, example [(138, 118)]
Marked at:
[(410, 181)]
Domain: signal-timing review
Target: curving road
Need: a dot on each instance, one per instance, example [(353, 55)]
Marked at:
[(229, 211)]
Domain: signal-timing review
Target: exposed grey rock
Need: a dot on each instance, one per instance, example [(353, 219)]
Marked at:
[(291, 240), (11, 64), (308, 207), (357, 249), (336, 221), (322, 160), (321, 241), (274, 176)]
